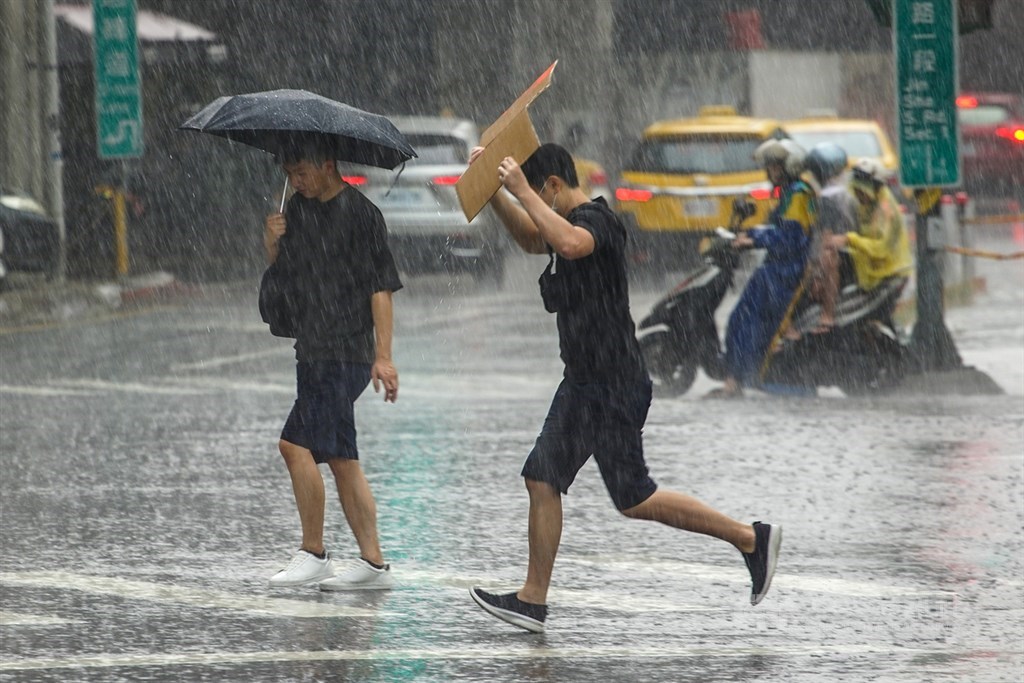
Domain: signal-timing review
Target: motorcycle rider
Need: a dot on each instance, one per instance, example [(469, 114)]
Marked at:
[(879, 248), (763, 308), (836, 215)]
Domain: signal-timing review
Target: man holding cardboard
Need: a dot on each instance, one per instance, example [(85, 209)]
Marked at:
[(601, 405)]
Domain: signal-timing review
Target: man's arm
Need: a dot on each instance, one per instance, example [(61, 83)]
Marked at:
[(540, 223), (383, 370), (518, 223), (567, 240), (273, 229)]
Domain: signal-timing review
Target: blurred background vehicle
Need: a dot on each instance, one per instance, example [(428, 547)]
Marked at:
[(29, 241), (680, 183), (859, 138), (427, 229), (992, 144), (593, 179)]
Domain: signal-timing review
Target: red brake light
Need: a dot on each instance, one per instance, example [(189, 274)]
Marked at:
[(354, 179), (628, 194), (1014, 134), (598, 178), (446, 179), (967, 102), (760, 194)]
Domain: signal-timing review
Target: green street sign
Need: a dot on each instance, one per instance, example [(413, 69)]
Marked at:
[(116, 66), (925, 46)]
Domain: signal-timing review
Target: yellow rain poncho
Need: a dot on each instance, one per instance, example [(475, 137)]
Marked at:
[(880, 248)]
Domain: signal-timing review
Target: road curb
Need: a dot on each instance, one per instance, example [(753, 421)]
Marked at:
[(32, 301)]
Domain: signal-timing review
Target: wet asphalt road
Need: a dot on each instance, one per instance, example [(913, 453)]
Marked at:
[(143, 506)]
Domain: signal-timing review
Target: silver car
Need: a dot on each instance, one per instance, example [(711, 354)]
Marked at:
[(427, 230)]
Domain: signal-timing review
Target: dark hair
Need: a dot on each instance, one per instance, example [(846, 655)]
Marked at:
[(297, 151), (550, 160)]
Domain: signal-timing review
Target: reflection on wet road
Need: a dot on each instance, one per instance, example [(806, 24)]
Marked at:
[(144, 507)]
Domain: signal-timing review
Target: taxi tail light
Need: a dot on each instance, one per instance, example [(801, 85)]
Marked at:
[(446, 179), (597, 178), (1014, 134), (354, 179), (762, 193), (629, 194), (967, 102)]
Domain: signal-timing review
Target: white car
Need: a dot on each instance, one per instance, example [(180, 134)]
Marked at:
[(427, 229)]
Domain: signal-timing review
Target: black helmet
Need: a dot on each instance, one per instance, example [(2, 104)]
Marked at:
[(825, 161)]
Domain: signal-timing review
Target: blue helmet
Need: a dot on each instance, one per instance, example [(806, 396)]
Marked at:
[(825, 161)]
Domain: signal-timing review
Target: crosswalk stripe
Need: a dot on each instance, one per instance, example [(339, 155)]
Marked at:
[(109, 660), (183, 595), (9, 618)]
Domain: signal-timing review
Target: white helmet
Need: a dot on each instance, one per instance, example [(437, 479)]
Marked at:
[(786, 152), (871, 169)]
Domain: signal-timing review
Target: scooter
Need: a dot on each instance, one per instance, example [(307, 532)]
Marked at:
[(863, 353)]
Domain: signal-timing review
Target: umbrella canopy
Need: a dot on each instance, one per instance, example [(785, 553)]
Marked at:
[(282, 121)]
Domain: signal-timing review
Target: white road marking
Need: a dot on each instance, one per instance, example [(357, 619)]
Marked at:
[(8, 618), (170, 386), (42, 391), (210, 363), (818, 584), (184, 595), (224, 384), (127, 387), (526, 652)]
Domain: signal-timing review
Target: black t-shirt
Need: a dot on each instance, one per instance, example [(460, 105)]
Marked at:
[(596, 335), (336, 254)]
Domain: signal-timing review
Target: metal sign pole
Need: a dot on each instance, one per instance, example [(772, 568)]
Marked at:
[(925, 42)]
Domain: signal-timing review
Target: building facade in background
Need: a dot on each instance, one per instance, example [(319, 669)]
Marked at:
[(622, 65)]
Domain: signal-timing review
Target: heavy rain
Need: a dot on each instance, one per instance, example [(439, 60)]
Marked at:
[(148, 521)]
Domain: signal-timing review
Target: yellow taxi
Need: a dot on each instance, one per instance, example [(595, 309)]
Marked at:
[(859, 138), (682, 179)]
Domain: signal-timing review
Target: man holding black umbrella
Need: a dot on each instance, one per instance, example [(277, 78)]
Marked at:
[(329, 286), (329, 251)]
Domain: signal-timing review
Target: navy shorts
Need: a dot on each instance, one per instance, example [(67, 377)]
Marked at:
[(600, 420), (323, 417)]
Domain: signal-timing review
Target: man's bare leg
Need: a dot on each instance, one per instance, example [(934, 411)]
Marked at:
[(688, 513), (829, 287), (545, 535), (308, 487), (359, 506)]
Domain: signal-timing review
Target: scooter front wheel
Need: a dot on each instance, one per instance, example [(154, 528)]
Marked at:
[(672, 371)]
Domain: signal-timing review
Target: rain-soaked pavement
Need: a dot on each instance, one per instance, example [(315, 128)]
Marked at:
[(144, 507)]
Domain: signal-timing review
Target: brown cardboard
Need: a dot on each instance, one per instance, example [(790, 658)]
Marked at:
[(512, 134)]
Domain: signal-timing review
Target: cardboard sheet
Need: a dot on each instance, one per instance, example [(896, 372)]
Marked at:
[(512, 134)]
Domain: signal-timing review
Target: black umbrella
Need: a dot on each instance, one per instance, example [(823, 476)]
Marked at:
[(279, 121)]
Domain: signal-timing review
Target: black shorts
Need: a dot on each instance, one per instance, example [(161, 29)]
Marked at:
[(600, 420), (323, 417)]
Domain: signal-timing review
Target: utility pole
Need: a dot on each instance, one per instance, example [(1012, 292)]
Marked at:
[(51, 69)]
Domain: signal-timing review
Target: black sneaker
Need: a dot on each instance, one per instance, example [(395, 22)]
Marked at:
[(510, 608), (761, 562)]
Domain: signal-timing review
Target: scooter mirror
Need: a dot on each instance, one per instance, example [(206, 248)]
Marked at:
[(743, 208)]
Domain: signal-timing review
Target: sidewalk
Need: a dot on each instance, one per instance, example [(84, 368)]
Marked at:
[(31, 300)]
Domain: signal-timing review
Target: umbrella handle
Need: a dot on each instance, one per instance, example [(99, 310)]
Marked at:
[(284, 194)]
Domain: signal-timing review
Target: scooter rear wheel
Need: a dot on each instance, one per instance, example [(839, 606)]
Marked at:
[(672, 371)]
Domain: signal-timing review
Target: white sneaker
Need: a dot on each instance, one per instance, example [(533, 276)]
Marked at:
[(360, 575), (305, 568)]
